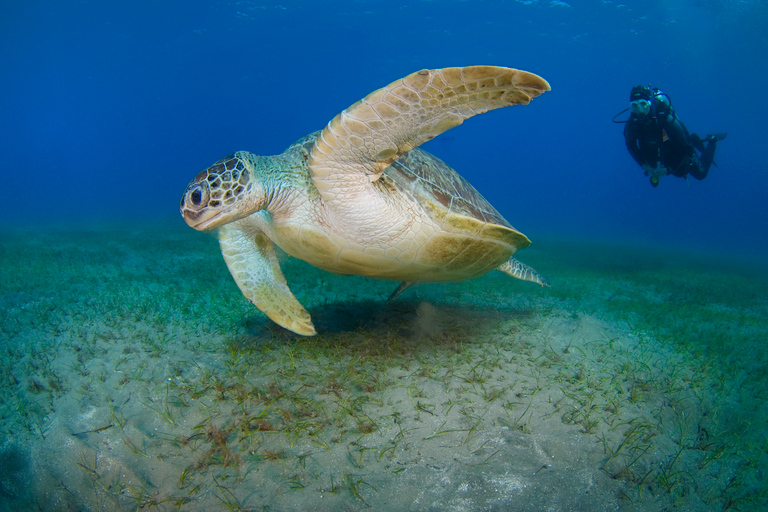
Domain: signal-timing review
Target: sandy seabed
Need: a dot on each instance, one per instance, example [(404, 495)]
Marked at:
[(135, 376)]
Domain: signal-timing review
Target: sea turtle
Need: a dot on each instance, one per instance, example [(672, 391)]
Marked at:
[(359, 198)]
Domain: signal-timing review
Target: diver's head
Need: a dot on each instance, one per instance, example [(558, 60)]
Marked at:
[(640, 92), (640, 100)]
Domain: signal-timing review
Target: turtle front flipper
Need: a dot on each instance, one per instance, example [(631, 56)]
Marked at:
[(251, 259), (363, 140), (518, 270)]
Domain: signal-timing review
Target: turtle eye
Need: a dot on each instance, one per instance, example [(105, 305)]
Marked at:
[(196, 196)]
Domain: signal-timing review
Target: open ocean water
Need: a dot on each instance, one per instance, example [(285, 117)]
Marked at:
[(135, 376)]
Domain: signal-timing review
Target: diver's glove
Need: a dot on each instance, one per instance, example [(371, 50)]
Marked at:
[(655, 171)]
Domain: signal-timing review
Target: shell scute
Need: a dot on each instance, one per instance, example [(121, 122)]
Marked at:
[(462, 224), (451, 76)]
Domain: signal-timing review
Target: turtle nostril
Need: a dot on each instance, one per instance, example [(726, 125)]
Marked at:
[(196, 196)]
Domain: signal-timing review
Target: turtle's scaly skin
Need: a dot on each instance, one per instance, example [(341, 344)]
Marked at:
[(359, 198)]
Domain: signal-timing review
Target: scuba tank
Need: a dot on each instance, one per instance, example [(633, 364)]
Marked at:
[(661, 104)]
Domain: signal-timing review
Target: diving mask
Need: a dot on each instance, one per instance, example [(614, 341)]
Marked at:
[(640, 107)]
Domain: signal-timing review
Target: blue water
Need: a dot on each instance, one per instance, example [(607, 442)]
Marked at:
[(108, 109)]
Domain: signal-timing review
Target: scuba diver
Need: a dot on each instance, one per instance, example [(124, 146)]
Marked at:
[(660, 143)]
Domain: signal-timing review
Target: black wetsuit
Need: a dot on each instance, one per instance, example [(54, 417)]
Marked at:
[(663, 139)]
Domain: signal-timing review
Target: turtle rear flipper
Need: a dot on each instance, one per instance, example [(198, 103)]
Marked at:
[(400, 289), (251, 259), (519, 270)]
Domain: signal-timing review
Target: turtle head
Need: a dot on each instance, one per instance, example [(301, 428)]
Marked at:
[(226, 191)]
